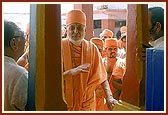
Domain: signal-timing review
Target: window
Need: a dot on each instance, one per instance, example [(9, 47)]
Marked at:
[(97, 24), (120, 23)]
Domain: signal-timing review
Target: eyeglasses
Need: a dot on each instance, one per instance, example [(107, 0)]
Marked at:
[(78, 27), (153, 26), (112, 48)]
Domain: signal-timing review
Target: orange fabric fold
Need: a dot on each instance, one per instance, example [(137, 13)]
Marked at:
[(101, 104), (119, 69), (97, 41), (68, 82)]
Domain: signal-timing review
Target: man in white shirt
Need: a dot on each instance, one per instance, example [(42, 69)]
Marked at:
[(156, 27), (15, 76)]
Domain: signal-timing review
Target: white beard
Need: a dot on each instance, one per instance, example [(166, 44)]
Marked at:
[(75, 42)]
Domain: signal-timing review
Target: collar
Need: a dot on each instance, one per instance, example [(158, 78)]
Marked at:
[(157, 42), (9, 60)]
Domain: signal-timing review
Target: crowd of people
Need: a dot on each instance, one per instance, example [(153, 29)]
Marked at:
[(111, 50), (93, 70)]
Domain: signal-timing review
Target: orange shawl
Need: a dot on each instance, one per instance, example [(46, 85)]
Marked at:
[(80, 89)]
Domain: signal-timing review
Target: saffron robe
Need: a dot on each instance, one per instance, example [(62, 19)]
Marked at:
[(100, 101), (80, 89), (118, 74), (101, 104)]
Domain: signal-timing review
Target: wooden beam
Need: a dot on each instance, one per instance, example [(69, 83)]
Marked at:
[(49, 92), (134, 79)]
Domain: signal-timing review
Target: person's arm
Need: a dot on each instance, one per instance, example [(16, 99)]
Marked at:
[(109, 96), (74, 71)]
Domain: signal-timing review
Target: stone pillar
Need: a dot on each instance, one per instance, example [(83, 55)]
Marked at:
[(88, 9)]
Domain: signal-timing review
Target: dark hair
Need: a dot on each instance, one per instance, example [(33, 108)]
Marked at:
[(118, 34), (123, 37), (11, 30), (157, 15)]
